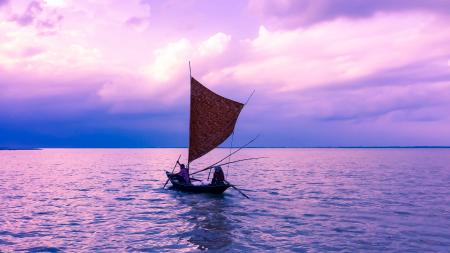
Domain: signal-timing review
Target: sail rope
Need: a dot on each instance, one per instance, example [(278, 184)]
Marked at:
[(248, 99), (231, 147), (232, 136)]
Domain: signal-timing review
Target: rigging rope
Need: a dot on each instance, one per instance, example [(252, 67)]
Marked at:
[(231, 147), (232, 135)]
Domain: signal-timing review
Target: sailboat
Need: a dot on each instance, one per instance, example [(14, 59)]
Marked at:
[(212, 121)]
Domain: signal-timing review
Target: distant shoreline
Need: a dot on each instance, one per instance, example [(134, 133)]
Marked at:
[(306, 147), (20, 148)]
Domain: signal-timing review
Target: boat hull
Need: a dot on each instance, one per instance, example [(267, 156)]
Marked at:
[(178, 185)]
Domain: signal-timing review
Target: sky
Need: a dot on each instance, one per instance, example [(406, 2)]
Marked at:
[(98, 73)]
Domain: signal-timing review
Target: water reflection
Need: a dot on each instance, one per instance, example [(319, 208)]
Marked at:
[(208, 224)]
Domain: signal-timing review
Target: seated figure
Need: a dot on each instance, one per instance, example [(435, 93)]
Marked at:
[(218, 177), (184, 173)]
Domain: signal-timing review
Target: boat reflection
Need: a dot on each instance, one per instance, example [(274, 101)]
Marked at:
[(209, 226)]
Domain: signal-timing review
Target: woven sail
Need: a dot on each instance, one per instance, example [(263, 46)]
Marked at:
[(212, 121)]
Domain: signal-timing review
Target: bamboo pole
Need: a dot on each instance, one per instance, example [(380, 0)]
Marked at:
[(172, 170), (241, 160), (234, 187), (234, 152)]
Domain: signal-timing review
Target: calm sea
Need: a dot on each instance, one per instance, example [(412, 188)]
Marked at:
[(302, 200)]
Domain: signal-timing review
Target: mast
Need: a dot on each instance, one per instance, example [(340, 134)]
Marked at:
[(189, 120), (190, 74)]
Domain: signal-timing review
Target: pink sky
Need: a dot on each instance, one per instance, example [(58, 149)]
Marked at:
[(326, 73)]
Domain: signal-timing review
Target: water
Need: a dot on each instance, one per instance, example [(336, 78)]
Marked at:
[(302, 200)]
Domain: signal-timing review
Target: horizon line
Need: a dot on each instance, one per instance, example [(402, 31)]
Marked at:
[(184, 147)]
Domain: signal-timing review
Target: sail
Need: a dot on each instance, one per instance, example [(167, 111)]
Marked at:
[(213, 118)]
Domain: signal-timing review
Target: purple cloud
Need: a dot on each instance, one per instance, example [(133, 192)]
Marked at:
[(51, 22), (70, 113), (31, 51), (3, 2), (140, 22), (49, 25), (418, 92), (292, 13), (137, 22), (29, 15), (134, 21), (45, 22)]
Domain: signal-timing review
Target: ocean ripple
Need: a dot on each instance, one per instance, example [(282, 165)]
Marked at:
[(302, 200)]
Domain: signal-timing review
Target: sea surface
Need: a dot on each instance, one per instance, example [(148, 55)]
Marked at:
[(302, 200)]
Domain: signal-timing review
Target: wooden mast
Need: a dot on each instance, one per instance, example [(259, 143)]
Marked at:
[(189, 120)]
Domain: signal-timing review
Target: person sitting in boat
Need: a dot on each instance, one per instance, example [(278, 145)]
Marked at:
[(218, 177), (184, 173)]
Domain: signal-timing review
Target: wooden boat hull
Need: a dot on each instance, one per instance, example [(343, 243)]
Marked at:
[(178, 185)]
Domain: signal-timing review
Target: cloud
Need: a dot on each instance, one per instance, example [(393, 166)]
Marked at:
[(368, 79), (47, 56), (33, 9), (57, 3), (69, 56), (294, 13), (142, 21), (409, 102), (138, 23), (3, 2), (49, 25), (170, 59), (215, 45), (338, 51), (377, 76), (40, 15), (69, 112), (332, 68), (161, 78)]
